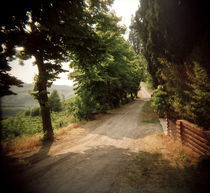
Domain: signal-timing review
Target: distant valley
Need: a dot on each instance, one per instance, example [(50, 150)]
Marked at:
[(13, 104)]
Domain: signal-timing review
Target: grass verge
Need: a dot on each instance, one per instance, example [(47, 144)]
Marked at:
[(148, 115), (27, 143)]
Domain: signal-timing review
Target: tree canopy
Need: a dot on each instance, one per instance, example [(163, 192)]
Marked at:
[(52, 31), (108, 82)]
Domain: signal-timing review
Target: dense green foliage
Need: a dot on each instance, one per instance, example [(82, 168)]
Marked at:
[(159, 101), (174, 38), (111, 80)]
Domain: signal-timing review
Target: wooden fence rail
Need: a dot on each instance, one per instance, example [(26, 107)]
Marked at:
[(190, 135)]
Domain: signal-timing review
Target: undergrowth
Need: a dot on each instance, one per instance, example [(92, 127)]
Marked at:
[(22, 125), (148, 115)]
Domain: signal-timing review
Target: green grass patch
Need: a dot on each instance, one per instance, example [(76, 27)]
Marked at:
[(148, 115)]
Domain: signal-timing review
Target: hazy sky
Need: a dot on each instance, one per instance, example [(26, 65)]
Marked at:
[(123, 8)]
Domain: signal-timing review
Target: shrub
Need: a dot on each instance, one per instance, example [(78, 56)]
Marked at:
[(159, 101), (27, 113), (35, 111), (82, 108), (13, 127)]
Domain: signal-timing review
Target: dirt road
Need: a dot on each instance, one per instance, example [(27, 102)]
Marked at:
[(144, 93), (90, 158)]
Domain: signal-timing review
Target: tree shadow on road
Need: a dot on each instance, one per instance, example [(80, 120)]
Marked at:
[(11, 166), (107, 169), (93, 170), (41, 154)]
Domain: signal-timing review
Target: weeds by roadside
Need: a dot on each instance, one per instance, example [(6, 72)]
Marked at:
[(31, 143), (148, 115)]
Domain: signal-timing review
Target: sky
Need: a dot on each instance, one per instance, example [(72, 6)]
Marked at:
[(123, 8)]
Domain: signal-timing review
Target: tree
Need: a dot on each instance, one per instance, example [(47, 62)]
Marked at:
[(53, 32), (174, 37), (55, 101), (107, 82), (159, 101), (134, 38)]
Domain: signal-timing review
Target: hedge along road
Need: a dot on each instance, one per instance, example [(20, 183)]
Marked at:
[(90, 158)]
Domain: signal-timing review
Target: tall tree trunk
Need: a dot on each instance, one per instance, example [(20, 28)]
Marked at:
[(42, 98)]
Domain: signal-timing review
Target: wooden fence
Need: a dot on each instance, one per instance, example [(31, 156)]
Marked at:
[(190, 135)]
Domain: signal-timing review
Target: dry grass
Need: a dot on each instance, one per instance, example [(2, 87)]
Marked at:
[(170, 150), (166, 166), (64, 131), (33, 143)]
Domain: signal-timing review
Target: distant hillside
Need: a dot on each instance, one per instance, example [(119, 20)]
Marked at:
[(13, 104)]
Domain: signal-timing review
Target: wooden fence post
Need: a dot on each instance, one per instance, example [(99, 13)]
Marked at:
[(178, 131), (181, 132)]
